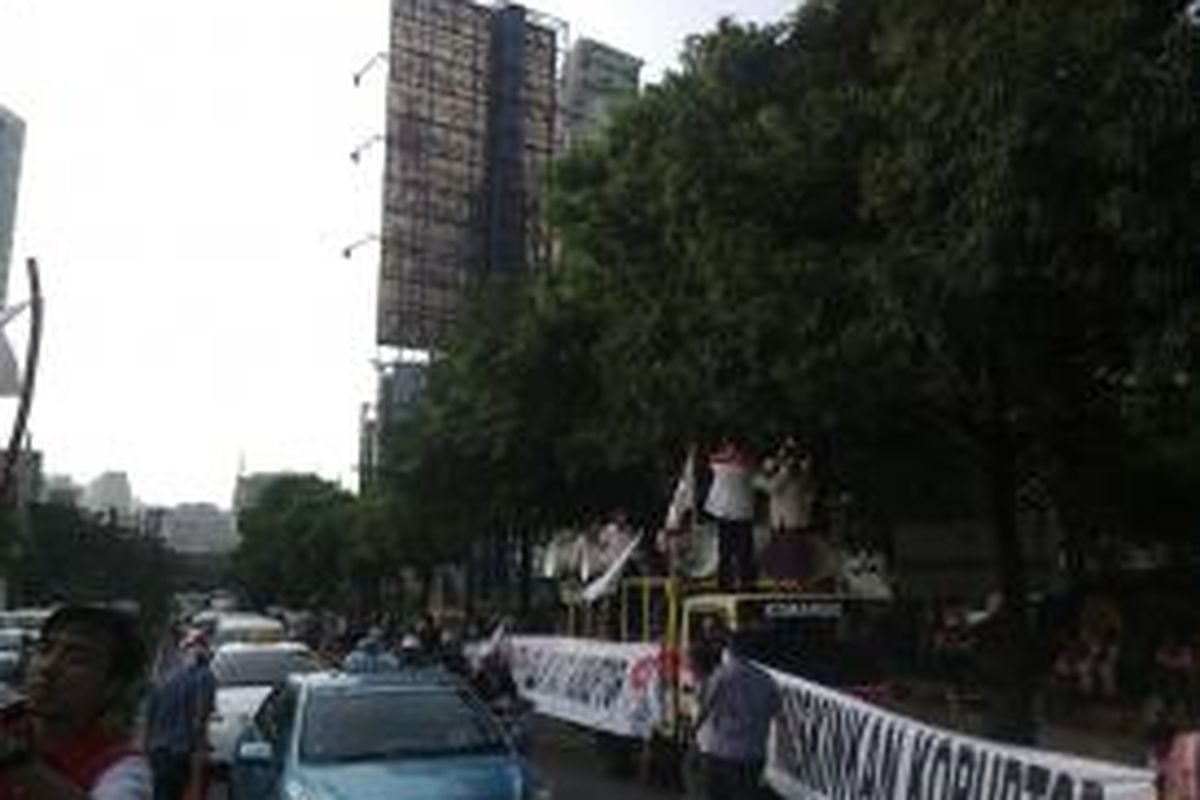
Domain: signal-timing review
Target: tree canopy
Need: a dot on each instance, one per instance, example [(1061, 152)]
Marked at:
[(947, 244)]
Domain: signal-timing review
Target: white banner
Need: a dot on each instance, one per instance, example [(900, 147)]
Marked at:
[(608, 686), (828, 746)]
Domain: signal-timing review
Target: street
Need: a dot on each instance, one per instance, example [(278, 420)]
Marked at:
[(567, 759)]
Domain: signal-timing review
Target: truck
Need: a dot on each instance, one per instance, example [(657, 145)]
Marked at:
[(821, 632)]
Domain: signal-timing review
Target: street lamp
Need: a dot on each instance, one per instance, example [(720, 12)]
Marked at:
[(365, 68), (348, 250), (357, 153)]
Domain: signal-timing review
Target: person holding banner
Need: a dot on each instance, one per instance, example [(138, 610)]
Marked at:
[(738, 702)]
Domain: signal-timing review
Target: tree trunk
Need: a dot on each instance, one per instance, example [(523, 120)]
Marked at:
[(1008, 661)]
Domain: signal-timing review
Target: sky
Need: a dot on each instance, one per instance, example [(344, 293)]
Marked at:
[(188, 192)]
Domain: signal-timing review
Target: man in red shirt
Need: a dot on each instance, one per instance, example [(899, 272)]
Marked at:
[(61, 743)]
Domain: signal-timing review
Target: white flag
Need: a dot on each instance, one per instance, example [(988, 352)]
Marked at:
[(607, 582), (684, 499)]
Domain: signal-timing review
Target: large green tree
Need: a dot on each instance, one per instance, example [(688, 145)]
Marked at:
[(295, 541), (946, 242)]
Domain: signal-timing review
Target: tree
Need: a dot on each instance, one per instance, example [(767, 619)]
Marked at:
[(72, 556), (294, 542), (939, 240)]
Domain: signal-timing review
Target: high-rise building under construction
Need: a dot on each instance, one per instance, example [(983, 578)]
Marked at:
[(471, 109)]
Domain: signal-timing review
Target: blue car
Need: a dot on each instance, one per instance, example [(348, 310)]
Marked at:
[(417, 734)]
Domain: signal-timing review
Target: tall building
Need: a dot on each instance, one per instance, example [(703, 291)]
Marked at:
[(198, 529), (400, 387), (596, 79), (110, 494), (12, 143), (471, 116)]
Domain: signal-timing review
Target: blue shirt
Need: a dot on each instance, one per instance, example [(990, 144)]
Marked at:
[(178, 709), (737, 704)]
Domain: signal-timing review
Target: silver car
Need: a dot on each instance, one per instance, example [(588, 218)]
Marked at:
[(246, 673)]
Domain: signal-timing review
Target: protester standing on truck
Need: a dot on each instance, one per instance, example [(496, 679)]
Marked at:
[(730, 502), (738, 701)]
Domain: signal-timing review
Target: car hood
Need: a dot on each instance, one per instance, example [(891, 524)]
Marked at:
[(455, 778), (241, 700)]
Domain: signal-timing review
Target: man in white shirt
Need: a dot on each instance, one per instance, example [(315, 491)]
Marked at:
[(730, 502)]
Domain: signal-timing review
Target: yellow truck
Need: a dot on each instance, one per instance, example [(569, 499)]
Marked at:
[(838, 639)]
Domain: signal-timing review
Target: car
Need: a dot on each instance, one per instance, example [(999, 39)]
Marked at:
[(245, 627), (13, 645), (245, 674), (417, 732), (26, 619)]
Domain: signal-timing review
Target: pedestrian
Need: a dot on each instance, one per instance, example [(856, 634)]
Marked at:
[(370, 654), (65, 740), (493, 680), (738, 702), (730, 502), (177, 715), (1175, 755), (429, 633), (451, 655)]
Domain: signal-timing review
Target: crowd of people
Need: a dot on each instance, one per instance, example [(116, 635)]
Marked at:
[(68, 736), (71, 730), (762, 512)]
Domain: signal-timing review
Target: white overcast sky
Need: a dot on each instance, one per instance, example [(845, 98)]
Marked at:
[(188, 190)]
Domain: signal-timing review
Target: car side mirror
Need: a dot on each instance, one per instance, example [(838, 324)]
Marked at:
[(255, 753)]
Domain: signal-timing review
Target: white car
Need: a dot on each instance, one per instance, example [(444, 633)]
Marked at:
[(244, 627), (246, 673)]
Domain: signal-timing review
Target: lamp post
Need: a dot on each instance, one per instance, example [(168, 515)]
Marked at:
[(374, 60), (357, 153), (348, 250)]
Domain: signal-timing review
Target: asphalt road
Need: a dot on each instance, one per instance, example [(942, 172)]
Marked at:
[(569, 761)]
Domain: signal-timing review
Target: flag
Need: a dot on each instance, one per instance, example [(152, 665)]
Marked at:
[(607, 582), (683, 502)]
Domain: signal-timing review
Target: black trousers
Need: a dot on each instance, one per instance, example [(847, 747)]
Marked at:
[(172, 772), (735, 554), (732, 780)]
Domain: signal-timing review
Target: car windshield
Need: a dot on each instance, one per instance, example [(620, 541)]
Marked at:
[(262, 667), (396, 724)]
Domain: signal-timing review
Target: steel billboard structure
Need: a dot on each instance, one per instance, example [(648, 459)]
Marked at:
[(471, 109)]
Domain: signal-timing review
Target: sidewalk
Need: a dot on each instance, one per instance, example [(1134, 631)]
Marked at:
[(1106, 734)]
